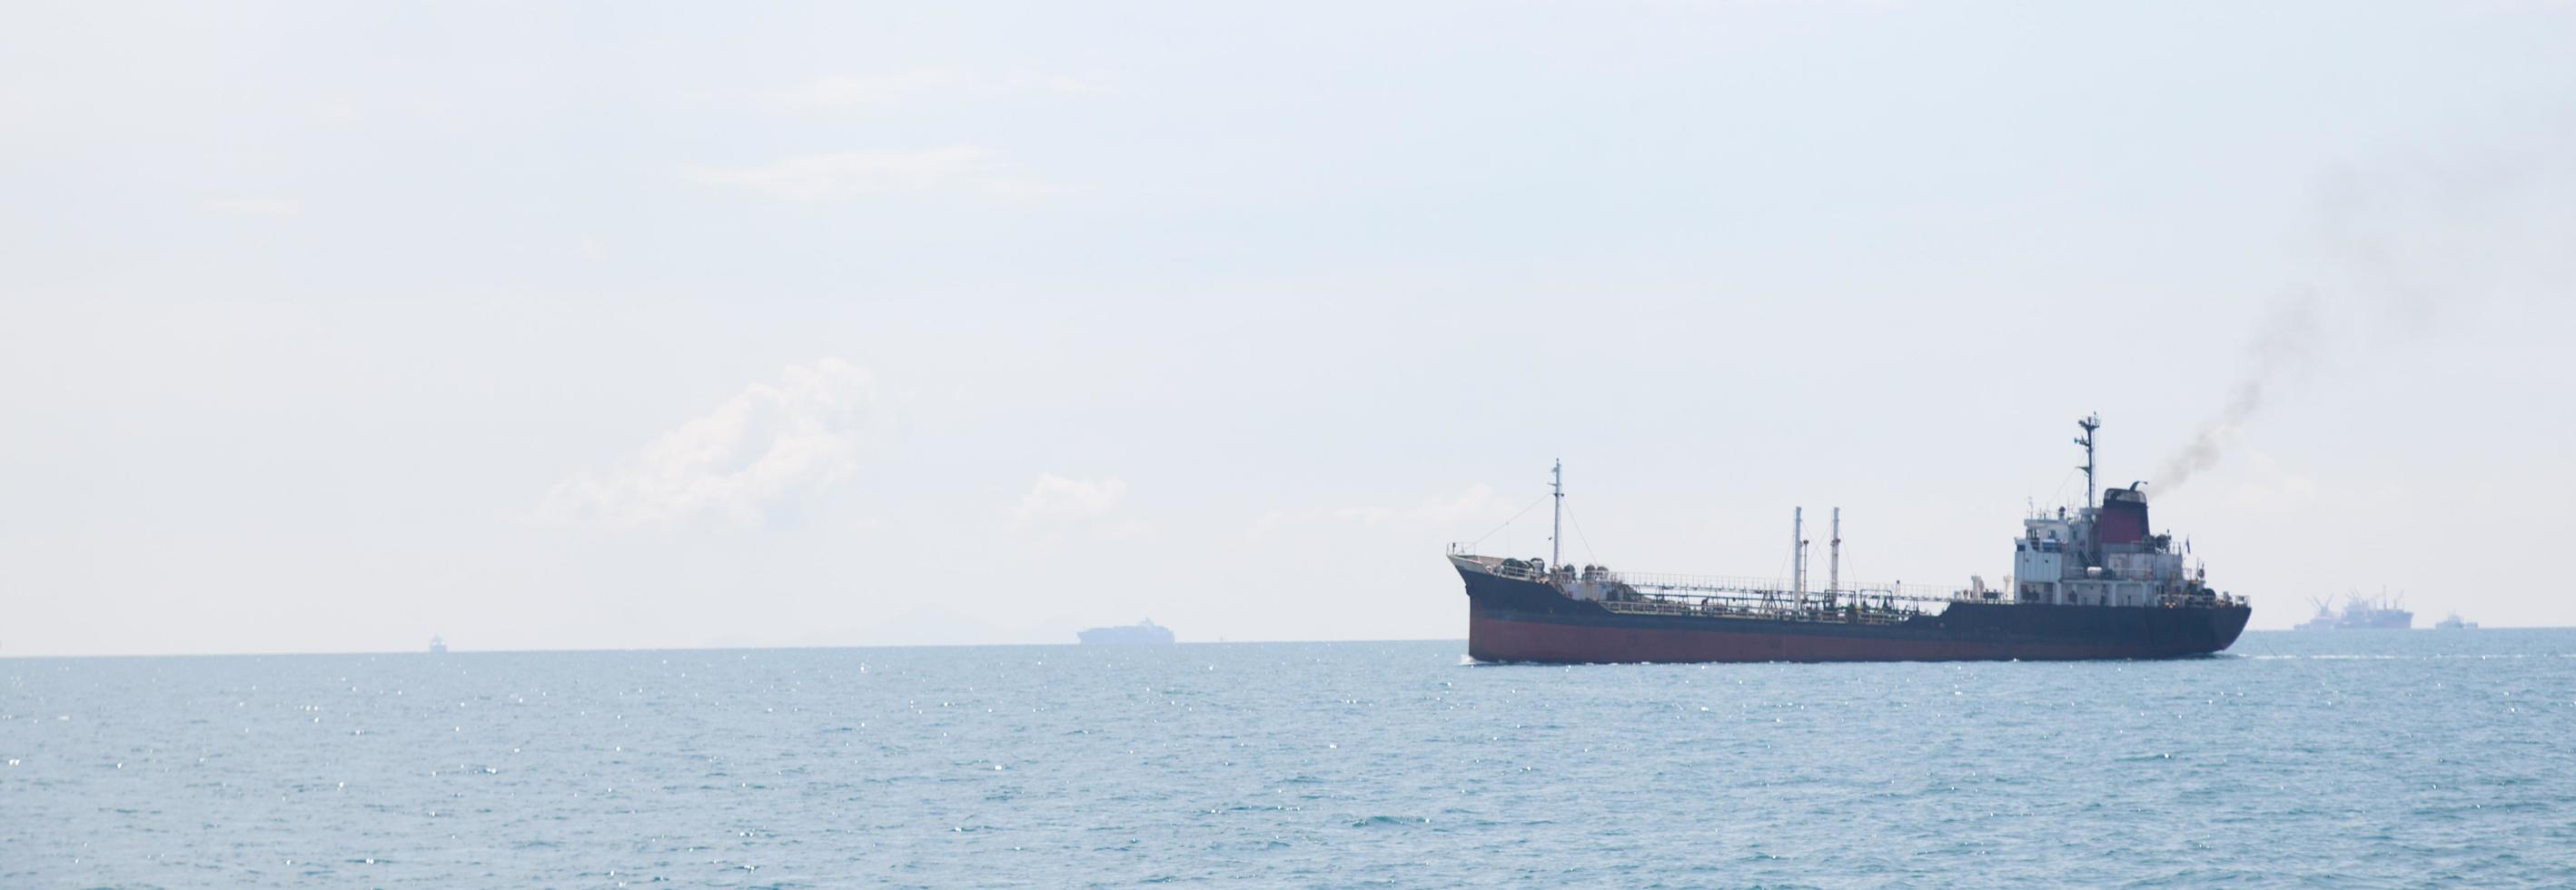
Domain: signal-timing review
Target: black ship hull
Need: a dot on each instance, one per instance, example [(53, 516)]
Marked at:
[(1513, 619)]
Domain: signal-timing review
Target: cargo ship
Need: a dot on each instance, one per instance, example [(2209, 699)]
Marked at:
[(1142, 633), (2360, 613), (2093, 582)]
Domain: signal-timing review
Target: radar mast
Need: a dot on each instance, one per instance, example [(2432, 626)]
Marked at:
[(1556, 529), (2090, 423)]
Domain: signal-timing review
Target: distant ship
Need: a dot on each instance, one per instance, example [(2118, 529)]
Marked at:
[(437, 645), (2095, 582), (2454, 623), (1142, 633), (2360, 613)]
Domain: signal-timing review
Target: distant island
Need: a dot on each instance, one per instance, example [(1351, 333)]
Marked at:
[(1142, 633)]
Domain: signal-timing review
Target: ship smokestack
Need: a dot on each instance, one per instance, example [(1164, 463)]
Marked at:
[(2123, 519)]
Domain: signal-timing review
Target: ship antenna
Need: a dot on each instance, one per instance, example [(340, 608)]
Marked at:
[(1556, 533), (2090, 423)]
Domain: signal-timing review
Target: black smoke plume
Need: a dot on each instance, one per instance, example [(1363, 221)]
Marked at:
[(2282, 348)]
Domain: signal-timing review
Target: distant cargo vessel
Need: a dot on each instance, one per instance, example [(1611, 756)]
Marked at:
[(2095, 584), (2454, 623), (2360, 613), (1142, 633)]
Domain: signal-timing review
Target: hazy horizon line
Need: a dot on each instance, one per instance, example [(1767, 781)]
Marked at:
[(802, 647)]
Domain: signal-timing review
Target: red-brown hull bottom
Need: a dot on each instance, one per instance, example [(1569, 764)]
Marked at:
[(1495, 639)]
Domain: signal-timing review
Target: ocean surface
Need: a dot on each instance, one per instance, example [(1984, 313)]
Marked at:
[(2338, 759)]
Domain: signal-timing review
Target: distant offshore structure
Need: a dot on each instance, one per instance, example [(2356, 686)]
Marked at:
[(2454, 623), (1142, 633), (2360, 613)]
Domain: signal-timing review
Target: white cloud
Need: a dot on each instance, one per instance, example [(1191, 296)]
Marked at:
[(852, 90), (1056, 498), (257, 205), (1476, 504), (850, 175), (2270, 488), (759, 454), (841, 92), (1056, 501)]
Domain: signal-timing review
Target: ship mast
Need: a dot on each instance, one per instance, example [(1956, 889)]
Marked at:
[(2090, 423), (1834, 566), (1798, 553), (1556, 530)]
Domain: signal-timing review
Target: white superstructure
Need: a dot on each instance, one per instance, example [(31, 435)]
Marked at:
[(2103, 555)]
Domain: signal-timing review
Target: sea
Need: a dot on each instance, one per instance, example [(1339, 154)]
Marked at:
[(2296, 759)]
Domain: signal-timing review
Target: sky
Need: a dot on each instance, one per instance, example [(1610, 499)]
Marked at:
[(328, 327)]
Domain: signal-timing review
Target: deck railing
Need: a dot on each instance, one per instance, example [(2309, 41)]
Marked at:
[(1766, 594), (1777, 611)]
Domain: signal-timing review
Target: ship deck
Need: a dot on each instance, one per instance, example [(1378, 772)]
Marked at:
[(1761, 599), (1591, 615)]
